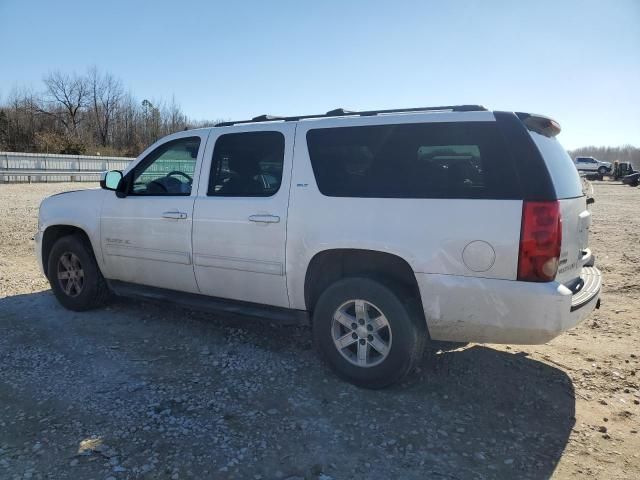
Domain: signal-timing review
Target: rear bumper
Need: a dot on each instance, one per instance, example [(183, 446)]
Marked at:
[(467, 309)]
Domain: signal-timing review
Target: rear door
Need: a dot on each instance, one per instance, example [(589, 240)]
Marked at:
[(240, 214), (590, 164), (576, 219)]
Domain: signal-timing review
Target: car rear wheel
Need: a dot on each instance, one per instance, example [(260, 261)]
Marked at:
[(74, 275), (370, 333)]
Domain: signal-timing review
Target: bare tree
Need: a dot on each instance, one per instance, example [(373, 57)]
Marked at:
[(151, 121), (21, 120), (82, 114), (105, 92), (68, 96), (176, 120)]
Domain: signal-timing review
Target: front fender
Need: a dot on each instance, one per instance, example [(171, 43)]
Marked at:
[(79, 209)]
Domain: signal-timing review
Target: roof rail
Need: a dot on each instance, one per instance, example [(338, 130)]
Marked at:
[(341, 112)]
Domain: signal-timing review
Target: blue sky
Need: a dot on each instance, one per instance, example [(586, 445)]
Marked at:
[(575, 60)]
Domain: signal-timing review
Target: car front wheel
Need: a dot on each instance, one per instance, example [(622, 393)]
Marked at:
[(74, 275), (370, 333)]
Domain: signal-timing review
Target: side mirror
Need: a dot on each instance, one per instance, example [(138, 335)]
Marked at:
[(110, 180), (590, 200)]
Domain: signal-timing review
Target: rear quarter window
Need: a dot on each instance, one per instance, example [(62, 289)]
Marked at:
[(563, 172), (423, 160)]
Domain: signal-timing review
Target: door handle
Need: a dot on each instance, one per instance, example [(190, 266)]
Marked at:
[(264, 218), (174, 215)]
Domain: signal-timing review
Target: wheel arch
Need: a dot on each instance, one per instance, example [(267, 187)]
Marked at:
[(328, 266), (54, 232)]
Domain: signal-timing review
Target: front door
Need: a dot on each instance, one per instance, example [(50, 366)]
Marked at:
[(146, 226), (240, 214)]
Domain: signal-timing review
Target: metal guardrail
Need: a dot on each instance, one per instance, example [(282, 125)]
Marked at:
[(39, 167), (74, 175)]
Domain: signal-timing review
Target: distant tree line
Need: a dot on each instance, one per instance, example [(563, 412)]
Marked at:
[(626, 153), (86, 114)]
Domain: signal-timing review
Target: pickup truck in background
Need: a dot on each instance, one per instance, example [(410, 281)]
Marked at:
[(590, 164)]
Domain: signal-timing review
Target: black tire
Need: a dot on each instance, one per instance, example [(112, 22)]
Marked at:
[(406, 323), (602, 170), (93, 291)]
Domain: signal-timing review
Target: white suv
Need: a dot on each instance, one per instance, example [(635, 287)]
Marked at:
[(387, 229)]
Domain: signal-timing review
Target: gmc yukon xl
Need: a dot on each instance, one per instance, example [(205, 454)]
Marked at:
[(387, 229)]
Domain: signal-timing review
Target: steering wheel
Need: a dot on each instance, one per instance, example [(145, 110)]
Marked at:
[(177, 172)]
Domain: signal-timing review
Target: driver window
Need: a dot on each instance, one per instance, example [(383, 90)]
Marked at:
[(168, 170)]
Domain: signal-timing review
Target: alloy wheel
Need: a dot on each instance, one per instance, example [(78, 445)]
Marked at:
[(70, 274), (361, 333)]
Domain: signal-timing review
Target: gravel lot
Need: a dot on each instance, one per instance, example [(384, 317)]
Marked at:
[(140, 390)]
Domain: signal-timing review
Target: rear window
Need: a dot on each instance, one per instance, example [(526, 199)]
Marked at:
[(565, 177), (425, 160)]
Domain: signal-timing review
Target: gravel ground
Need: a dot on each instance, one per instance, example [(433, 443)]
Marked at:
[(140, 390)]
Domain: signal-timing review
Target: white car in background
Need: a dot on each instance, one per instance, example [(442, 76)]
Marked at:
[(387, 229), (590, 164)]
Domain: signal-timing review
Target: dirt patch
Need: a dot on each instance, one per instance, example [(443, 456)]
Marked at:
[(140, 390)]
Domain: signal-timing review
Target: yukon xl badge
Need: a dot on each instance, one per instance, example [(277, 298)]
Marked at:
[(118, 241)]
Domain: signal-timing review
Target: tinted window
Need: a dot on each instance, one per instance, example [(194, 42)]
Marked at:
[(565, 176), (247, 164), (167, 170), (426, 160)]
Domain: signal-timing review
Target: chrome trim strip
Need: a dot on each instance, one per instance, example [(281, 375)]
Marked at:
[(183, 258), (242, 264)]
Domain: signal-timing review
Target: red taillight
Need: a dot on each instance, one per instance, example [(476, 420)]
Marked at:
[(540, 239)]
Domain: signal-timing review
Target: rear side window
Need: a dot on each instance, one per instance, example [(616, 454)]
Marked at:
[(423, 160), (247, 164), (565, 176)]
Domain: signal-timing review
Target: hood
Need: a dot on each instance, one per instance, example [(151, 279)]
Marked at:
[(62, 193), (72, 191)]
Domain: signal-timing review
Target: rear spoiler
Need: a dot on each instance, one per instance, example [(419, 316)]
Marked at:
[(540, 124)]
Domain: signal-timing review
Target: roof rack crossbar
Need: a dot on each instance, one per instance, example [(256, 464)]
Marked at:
[(340, 112)]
